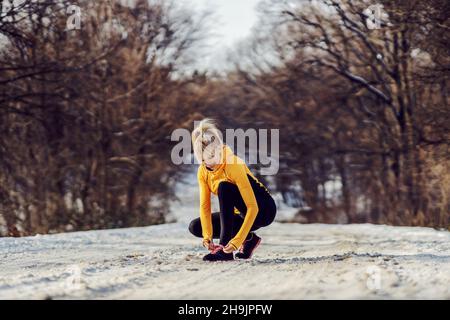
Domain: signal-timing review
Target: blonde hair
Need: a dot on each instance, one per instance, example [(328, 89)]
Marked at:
[(207, 141)]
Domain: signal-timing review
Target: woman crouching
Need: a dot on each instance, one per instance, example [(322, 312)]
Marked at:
[(245, 203)]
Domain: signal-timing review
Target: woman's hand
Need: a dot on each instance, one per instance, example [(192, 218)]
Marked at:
[(206, 243), (209, 244), (229, 248)]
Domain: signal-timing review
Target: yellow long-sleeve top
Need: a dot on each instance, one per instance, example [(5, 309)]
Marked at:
[(233, 169)]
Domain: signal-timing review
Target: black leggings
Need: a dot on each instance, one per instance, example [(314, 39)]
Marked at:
[(226, 223)]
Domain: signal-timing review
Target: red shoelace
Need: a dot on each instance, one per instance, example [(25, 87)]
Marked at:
[(217, 249)]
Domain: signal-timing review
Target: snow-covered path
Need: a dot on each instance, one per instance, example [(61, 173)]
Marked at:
[(294, 262), (164, 262)]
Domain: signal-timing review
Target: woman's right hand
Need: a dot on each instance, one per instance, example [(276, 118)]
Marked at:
[(209, 244)]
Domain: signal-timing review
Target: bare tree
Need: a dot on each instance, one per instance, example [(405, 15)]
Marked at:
[(86, 113)]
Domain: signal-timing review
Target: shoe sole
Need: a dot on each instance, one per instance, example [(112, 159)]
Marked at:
[(218, 260)]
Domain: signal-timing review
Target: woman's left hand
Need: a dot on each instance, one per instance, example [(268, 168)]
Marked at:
[(228, 249)]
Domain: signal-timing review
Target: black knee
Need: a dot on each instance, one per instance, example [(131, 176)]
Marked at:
[(226, 188), (195, 227)]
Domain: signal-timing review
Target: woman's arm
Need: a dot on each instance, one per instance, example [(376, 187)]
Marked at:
[(205, 206), (238, 174)]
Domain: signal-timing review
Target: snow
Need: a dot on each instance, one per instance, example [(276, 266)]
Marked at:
[(165, 262), (294, 262)]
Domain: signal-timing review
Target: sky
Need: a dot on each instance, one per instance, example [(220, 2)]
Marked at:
[(233, 22)]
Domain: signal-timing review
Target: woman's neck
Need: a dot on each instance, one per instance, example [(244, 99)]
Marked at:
[(211, 168)]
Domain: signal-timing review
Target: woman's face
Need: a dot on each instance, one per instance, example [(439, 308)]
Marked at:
[(212, 150)]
